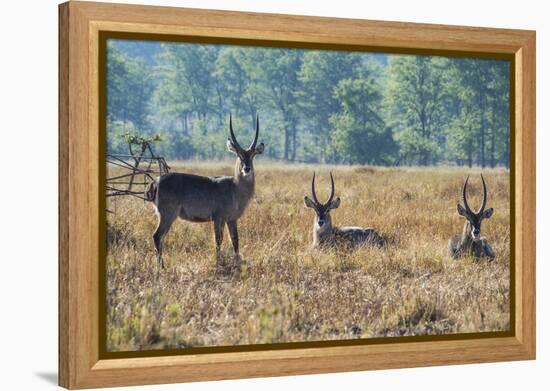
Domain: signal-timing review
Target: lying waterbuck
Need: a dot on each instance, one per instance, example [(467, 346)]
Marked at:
[(470, 242), (326, 235), (220, 199)]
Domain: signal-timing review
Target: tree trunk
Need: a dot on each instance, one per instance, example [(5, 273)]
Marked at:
[(124, 119), (423, 122), (482, 128), (287, 143), (252, 111), (470, 154), (482, 139), (293, 155), (493, 135)]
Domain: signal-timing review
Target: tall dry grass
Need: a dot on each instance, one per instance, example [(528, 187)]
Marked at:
[(289, 292)]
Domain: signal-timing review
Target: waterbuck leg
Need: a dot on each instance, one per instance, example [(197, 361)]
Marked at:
[(165, 222), (234, 234), (218, 233), (487, 249)]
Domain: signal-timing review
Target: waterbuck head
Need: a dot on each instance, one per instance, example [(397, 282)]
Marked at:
[(245, 156), (323, 221), (474, 218)]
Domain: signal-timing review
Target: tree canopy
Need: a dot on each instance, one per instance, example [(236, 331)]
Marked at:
[(317, 106)]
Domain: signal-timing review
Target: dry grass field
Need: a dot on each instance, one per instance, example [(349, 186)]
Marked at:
[(289, 292)]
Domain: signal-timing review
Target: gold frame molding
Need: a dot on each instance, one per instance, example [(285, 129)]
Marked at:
[(81, 25)]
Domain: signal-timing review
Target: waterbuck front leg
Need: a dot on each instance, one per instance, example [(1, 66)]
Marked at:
[(165, 222), (218, 234), (234, 234)]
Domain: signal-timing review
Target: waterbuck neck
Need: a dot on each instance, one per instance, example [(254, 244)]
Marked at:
[(467, 239), (323, 235), (245, 185)]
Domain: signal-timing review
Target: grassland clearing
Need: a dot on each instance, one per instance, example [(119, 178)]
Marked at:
[(289, 292)]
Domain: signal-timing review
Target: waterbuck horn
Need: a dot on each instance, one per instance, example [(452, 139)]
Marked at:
[(253, 145), (233, 138), (331, 190), (484, 202), (313, 189), (464, 195)]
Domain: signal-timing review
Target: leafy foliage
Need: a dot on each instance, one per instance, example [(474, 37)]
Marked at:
[(315, 106), (134, 138), (360, 135)]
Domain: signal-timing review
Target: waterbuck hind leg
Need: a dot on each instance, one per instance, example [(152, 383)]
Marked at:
[(165, 222)]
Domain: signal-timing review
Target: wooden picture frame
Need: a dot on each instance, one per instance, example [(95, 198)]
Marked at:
[(80, 26)]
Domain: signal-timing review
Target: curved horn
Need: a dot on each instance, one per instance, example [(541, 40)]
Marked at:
[(464, 194), (331, 190), (484, 202), (233, 138), (313, 189), (253, 145)]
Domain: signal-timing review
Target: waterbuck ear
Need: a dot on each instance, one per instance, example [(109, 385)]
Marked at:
[(259, 149), (487, 213), (309, 203), (334, 203), (461, 211), (231, 146)]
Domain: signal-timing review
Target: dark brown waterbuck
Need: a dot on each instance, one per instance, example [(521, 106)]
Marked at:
[(326, 235), (220, 199), (471, 242)]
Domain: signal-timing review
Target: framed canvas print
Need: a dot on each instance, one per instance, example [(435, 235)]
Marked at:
[(248, 195)]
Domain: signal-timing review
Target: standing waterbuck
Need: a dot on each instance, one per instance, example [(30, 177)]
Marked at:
[(220, 199), (326, 235), (470, 242)]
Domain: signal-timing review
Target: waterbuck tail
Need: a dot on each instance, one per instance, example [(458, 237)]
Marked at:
[(151, 191)]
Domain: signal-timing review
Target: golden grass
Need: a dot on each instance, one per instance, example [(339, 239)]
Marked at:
[(289, 292)]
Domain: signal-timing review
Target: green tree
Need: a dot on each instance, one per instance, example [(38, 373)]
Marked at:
[(130, 86), (117, 74), (276, 71), (314, 105), (462, 136), (238, 80), (140, 87), (499, 103), (187, 74), (319, 75), (480, 90), (360, 135), (415, 106)]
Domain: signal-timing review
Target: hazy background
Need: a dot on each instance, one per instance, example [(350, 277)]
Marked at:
[(315, 106)]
